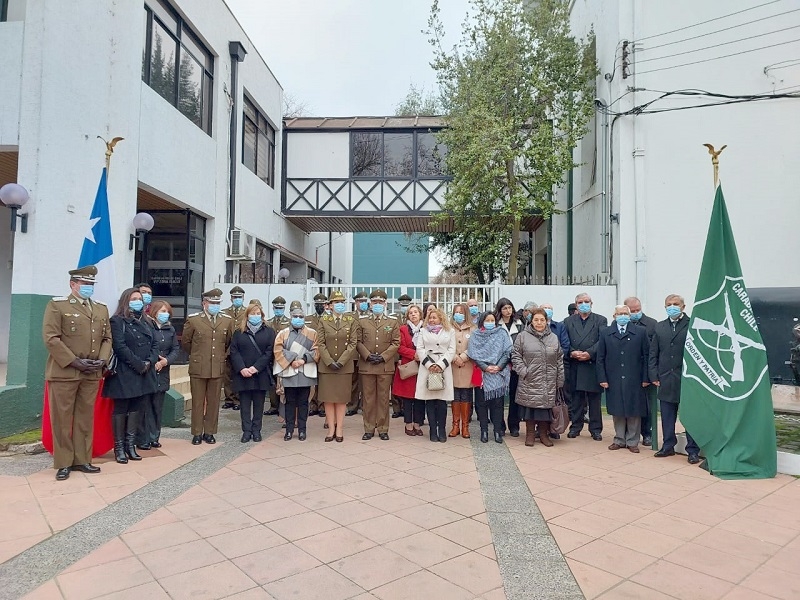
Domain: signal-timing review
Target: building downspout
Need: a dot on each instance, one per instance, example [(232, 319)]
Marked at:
[(237, 53), (570, 202), (330, 257), (639, 201)]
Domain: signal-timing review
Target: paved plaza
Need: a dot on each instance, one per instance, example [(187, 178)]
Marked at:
[(405, 518)]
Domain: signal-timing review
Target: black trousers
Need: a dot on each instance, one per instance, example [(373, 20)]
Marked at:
[(669, 414), (152, 407), (436, 410), (489, 410), (296, 399), (251, 409), (123, 406), (647, 427), (513, 407), (578, 404), (413, 410)]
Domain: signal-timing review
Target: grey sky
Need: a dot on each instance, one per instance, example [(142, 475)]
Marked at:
[(347, 57)]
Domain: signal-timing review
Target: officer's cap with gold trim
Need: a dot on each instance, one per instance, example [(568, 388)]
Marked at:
[(320, 298), (377, 294), (361, 295), (296, 306), (336, 296), (237, 292), (279, 301), (87, 273), (214, 295), (255, 301), (404, 299)]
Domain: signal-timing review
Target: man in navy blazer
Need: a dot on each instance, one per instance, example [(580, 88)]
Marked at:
[(622, 355), (649, 323)]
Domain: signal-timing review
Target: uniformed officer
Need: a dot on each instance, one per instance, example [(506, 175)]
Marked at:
[(236, 312), (360, 309), (77, 335), (377, 346), (404, 302), (321, 308), (278, 322), (206, 338)]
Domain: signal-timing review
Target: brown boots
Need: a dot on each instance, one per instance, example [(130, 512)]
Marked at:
[(460, 419), (544, 433)]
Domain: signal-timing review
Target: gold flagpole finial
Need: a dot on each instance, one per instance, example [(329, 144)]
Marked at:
[(110, 149), (715, 160)]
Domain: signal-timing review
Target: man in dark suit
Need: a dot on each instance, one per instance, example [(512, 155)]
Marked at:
[(640, 319), (666, 364), (622, 355), (583, 330)]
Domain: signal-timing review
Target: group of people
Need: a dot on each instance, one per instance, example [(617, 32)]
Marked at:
[(420, 359)]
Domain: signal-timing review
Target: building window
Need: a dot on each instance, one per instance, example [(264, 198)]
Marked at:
[(176, 64), (316, 275), (403, 155), (258, 143), (259, 271), (3, 10)]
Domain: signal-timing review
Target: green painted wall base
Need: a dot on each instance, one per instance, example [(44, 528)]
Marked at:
[(22, 397), (173, 409)]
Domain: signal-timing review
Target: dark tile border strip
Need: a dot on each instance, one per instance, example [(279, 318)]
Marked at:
[(42, 562), (531, 564)]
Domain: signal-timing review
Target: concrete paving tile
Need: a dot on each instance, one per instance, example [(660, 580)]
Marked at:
[(488, 551), (431, 491), (276, 563), (114, 549), (224, 522), (670, 525), (319, 583), (63, 511), (336, 478), (232, 483), (737, 544), (569, 540), (246, 541), (385, 528), (701, 507), (568, 497), (428, 516), (431, 472), (112, 494), (103, 579), (463, 466), (553, 477), (643, 540), (471, 571), (158, 537), (374, 567), (463, 482), (290, 487), (393, 501), (160, 517), (586, 523), (423, 583), (207, 583), (290, 460), (255, 494), (13, 547), (714, 562), (623, 480), (498, 594), (47, 591), (272, 510), (426, 548), (759, 530), (786, 559), (363, 488), (608, 557), (251, 594), (371, 471), (773, 515), (468, 504), (399, 480), (334, 544), (681, 582), (628, 590), (481, 518), (593, 581), (404, 463), (302, 526), (466, 532), (322, 498), (743, 593), (151, 591), (350, 512), (181, 558), (619, 511), (199, 508), (550, 510)]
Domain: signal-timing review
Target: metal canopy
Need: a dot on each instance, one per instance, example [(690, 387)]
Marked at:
[(388, 223)]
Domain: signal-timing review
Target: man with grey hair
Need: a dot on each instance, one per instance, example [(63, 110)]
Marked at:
[(583, 330), (638, 318), (529, 307)]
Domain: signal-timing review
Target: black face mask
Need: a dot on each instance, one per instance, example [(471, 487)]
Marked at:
[(320, 308)]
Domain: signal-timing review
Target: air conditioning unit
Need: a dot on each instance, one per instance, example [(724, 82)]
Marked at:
[(241, 245)]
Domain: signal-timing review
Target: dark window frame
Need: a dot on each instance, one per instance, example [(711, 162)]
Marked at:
[(178, 34), (250, 268), (264, 126), (3, 10), (415, 150)]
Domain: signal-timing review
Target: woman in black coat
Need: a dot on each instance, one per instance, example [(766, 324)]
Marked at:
[(168, 350), (136, 350), (251, 366)]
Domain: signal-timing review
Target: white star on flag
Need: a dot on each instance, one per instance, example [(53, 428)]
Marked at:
[(90, 234)]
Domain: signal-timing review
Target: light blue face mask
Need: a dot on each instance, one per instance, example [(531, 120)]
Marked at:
[(238, 302), (377, 309), (298, 322), (489, 326), (136, 305), (86, 291), (585, 307), (458, 318), (162, 317), (339, 307), (254, 320), (147, 298), (279, 312), (636, 316), (363, 305), (549, 313), (673, 311), (213, 309), (473, 310), (623, 320)]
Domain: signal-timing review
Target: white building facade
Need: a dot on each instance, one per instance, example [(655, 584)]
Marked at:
[(637, 209), (200, 114)]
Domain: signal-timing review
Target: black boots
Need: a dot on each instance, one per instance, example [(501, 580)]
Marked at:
[(130, 435), (118, 425)]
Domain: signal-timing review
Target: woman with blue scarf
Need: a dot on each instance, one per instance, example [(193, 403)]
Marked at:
[(490, 348)]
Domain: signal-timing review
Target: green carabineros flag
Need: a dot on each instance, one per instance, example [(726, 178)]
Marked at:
[(726, 402)]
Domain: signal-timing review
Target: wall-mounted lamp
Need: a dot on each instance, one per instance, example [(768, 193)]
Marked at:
[(614, 218), (142, 223), (283, 274), (14, 196)]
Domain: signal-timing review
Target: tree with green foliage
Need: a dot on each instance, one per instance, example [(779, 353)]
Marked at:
[(518, 92), (418, 102)]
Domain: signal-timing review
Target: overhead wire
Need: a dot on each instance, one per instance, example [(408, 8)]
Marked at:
[(738, 12)]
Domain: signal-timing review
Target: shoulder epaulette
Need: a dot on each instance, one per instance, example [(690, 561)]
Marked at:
[(60, 298), (98, 302), (227, 316), (364, 316), (197, 314), (326, 318)]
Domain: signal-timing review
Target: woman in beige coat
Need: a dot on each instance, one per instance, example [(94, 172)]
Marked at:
[(462, 371), (539, 362), (436, 347)]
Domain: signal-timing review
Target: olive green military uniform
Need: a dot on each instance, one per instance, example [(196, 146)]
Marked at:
[(337, 337), (74, 328), (237, 314), (278, 323), (355, 403), (206, 339), (315, 405), (400, 316), (378, 335)]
